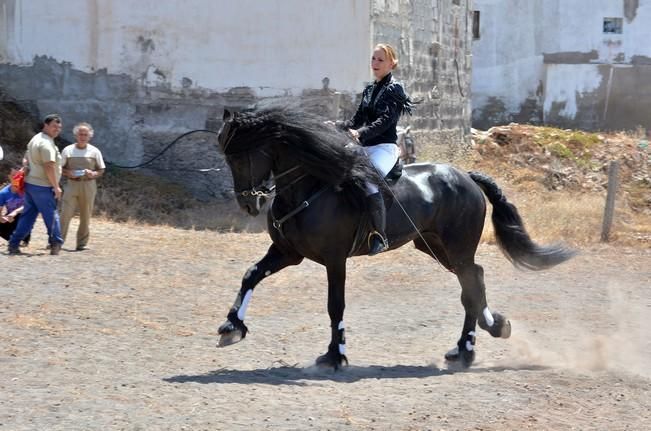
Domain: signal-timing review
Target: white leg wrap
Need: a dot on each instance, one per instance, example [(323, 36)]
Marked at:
[(245, 303), (469, 346), (489, 317), (342, 347)]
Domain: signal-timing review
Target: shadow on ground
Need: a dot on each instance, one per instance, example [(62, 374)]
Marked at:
[(292, 375)]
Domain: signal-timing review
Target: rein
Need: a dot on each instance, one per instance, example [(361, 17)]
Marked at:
[(264, 191), (278, 223), (261, 191)]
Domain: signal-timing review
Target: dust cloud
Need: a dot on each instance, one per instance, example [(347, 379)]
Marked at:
[(611, 338)]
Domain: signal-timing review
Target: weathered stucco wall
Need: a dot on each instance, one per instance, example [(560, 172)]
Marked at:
[(549, 61), (145, 72), (434, 43), (272, 46), (507, 58)]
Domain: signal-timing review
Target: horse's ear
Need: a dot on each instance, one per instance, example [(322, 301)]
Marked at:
[(227, 115)]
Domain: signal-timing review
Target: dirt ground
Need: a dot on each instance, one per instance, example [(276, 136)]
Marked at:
[(123, 336)]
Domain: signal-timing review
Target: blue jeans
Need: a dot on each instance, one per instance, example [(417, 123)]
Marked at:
[(38, 199)]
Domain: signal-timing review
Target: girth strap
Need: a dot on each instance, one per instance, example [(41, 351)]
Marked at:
[(278, 224)]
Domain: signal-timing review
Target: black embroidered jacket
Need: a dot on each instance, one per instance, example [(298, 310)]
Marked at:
[(378, 113)]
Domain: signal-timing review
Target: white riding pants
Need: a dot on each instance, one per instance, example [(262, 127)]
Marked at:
[(383, 157)]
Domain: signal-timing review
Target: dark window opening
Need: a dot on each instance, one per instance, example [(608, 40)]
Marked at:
[(457, 2), (475, 24), (613, 25)]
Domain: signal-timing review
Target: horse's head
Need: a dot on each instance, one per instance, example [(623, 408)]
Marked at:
[(250, 163)]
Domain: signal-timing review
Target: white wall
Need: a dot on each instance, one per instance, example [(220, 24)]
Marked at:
[(273, 46), (507, 58), (517, 35), (568, 81), (580, 26)]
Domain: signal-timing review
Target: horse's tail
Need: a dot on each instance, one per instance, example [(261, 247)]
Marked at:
[(511, 235)]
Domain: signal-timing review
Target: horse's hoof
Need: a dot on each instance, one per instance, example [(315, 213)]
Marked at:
[(463, 358), (229, 334), (230, 338), (501, 327), (506, 329), (453, 354), (332, 361)]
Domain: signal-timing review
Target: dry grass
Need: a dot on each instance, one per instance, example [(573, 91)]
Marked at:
[(549, 216), (557, 179), (126, 195), (575, 219), (573, 215), (132, 196)]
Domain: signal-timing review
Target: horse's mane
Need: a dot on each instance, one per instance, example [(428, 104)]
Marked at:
[(322, 150)]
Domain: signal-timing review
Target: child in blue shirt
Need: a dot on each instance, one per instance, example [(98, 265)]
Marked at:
[(11, 206)]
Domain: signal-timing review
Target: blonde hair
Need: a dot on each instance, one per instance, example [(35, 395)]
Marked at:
[(75, 129), (390, 52)]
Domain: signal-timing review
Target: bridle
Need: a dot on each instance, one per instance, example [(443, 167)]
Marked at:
[(262, 191)]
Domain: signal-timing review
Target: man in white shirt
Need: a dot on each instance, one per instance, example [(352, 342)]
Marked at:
[(82, 164)]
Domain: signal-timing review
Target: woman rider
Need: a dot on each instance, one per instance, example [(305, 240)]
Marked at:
[(374, 125)]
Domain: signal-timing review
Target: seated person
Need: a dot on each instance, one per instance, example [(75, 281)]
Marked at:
[(11, 206)]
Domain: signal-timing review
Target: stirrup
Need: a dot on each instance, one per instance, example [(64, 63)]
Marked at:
[(383, 244)]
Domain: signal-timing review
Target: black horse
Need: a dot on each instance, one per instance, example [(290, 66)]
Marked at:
[(317, 213)]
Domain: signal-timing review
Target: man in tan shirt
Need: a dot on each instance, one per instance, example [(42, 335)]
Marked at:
[(41, 187), (82, 164)]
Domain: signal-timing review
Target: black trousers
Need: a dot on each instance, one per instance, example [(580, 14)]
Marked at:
[(6, 229)]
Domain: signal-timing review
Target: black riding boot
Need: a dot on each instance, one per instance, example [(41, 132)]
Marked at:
[(377, 242)]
